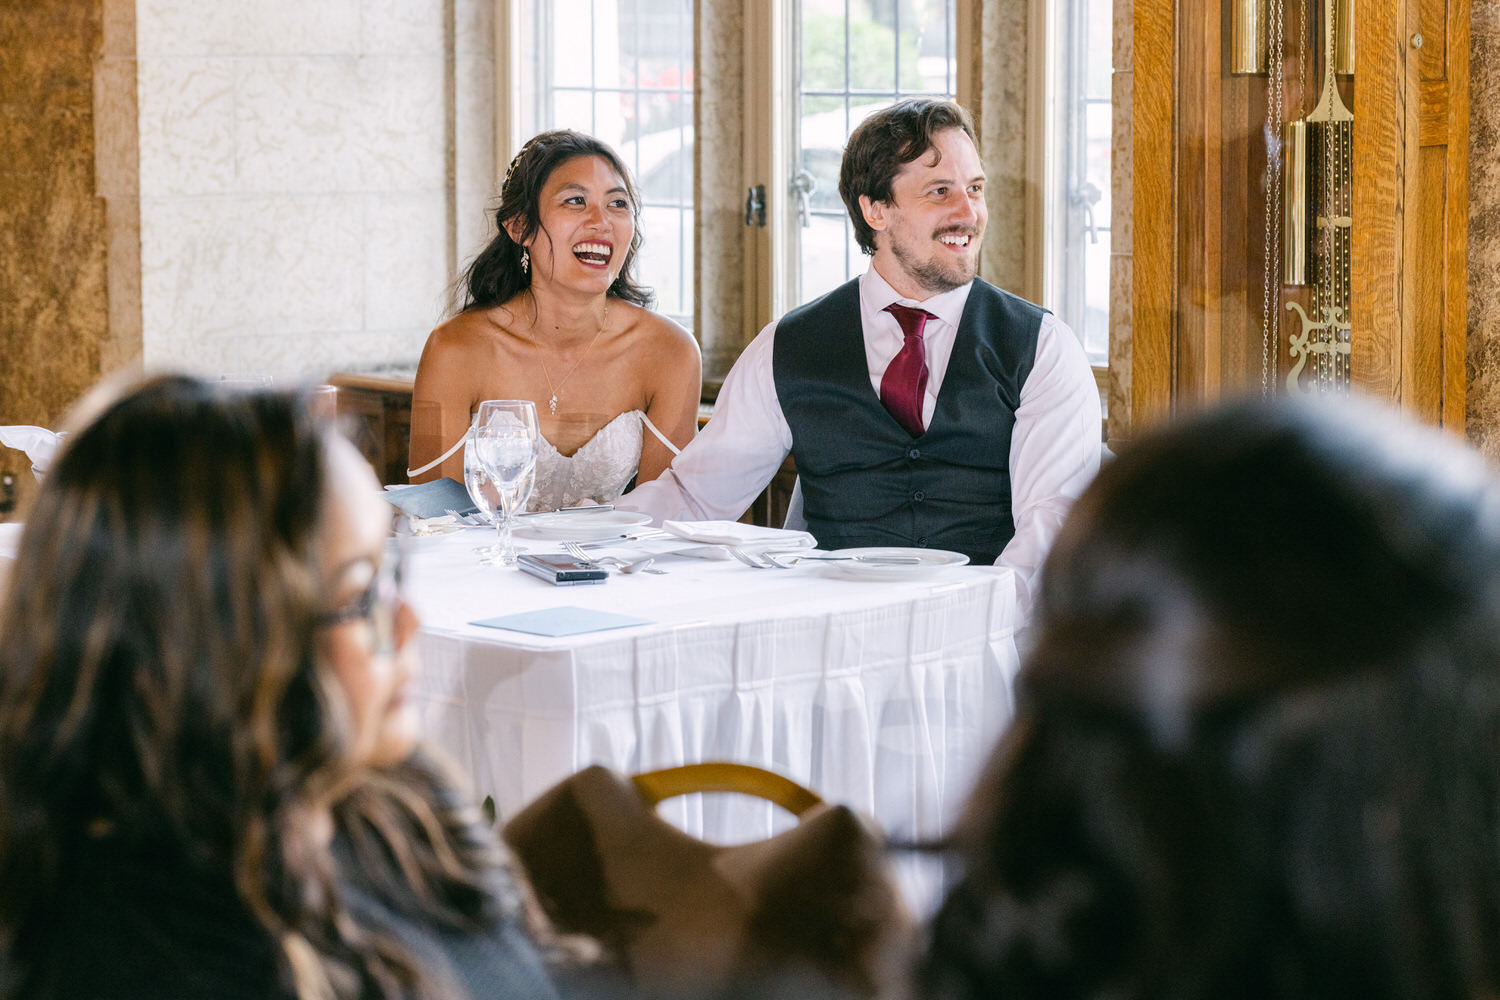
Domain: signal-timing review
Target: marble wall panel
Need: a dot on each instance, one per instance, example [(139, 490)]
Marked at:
[(297, 27), (1001, 51), (476, 182), (405, 274), (187, 133), (720, 322), (1482, 400), (339, 124), (54, 227), (319, 354), (249, 266), (311, 183), (1121, 224), (473, 27), (402, 27), (189, 27), (261, 27), (402, 138)]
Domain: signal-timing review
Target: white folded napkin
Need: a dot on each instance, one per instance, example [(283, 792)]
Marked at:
[(735, 533), (38, 443)]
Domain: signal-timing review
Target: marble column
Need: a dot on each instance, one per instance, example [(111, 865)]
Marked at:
[(70, 306), (1483, 346)]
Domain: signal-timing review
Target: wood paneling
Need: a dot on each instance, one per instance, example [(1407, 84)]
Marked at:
[(1200, 190), (1379, 153), (1153, 281), (1456, 226)]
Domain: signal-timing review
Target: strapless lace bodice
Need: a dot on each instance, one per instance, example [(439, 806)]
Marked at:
[(598, 471)]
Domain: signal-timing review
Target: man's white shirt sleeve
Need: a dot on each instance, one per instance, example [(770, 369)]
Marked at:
[(721, 471), (1054, 449)]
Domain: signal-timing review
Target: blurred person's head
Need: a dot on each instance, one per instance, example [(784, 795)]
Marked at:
[(530, 186), (1255, 753), (203, 653)]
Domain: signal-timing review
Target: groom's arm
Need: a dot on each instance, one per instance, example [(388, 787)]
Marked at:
[(1054, 451), (732, 459)]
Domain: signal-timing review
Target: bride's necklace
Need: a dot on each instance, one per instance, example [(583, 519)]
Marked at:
[(552, 403)]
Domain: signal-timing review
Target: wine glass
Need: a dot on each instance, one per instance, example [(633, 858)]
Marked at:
[(506, 439), (477, 481)]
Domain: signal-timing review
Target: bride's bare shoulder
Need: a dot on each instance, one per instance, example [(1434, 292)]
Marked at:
[(482, 331), (660, 333)]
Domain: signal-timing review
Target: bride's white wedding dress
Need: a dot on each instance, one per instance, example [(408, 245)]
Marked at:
[(598, 471)]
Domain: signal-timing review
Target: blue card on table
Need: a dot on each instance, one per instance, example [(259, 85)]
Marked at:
[(432, 499), (560, 621)]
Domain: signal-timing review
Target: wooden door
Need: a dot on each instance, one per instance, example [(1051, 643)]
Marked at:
[(1201, 199), (1411, 206)]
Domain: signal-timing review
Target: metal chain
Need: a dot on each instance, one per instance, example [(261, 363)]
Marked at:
[(1270, 318)]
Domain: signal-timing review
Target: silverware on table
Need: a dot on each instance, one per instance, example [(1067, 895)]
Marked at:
[(794, 558), (591, 508), (754, 560), (577, 551)]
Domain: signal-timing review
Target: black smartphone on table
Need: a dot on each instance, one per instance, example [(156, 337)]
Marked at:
[(561, 569)]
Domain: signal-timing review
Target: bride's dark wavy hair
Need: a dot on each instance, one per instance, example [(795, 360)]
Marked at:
[(495, 275), (1255, 754), (160, 683)]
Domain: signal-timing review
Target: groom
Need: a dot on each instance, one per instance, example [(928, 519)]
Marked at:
[(923, 406)]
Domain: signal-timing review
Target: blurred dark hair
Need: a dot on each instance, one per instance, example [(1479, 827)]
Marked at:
[(884, 143), (1255, 750), (160, 683), (495, 276)]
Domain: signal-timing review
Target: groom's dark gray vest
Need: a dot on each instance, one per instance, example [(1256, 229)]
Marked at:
[(865, 480)]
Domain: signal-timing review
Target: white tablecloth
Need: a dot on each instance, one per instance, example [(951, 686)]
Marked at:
[(885, 696)]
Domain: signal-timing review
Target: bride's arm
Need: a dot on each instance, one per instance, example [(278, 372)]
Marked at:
[(674, 387), (441, 399)]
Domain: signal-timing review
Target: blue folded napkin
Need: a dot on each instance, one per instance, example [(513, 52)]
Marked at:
[(432, 499), (559, 621)]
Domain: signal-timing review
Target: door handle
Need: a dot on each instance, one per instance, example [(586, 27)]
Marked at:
[(755, 207), (804, 184)]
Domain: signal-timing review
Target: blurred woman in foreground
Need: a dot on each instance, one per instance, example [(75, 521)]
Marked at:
[(209, 783), (1256, 750)]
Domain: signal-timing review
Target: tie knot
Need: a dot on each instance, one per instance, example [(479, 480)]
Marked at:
[(912, 321)]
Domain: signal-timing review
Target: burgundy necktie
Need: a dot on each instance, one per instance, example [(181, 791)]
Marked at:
[(904, 385)]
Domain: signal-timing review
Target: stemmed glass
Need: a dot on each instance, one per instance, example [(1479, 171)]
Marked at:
[(506, 439), (477, 481)]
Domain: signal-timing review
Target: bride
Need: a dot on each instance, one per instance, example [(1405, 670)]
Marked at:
[(552, 313)]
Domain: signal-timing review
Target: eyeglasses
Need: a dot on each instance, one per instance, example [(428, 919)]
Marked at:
[(377, 603)]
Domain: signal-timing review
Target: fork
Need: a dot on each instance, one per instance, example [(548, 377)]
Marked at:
[(754, 561), (581, 554), (786, 560), (577, 551)]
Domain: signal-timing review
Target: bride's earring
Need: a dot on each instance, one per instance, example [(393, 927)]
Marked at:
[(525, 261)]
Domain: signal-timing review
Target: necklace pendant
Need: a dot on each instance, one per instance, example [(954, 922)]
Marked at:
[(552, 403)]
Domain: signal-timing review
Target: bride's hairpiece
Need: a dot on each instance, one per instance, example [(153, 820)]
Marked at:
[(517, 159)]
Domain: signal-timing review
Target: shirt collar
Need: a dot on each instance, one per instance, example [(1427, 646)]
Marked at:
[(876, 293)]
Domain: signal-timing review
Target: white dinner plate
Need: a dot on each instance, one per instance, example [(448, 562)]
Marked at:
[(579, 526), (929, 561)]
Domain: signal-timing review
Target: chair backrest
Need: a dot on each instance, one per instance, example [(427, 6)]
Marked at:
[(682, 916)]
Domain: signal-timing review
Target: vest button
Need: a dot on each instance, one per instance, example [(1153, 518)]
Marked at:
[(922, 542), (914, 453), (919, 496)]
